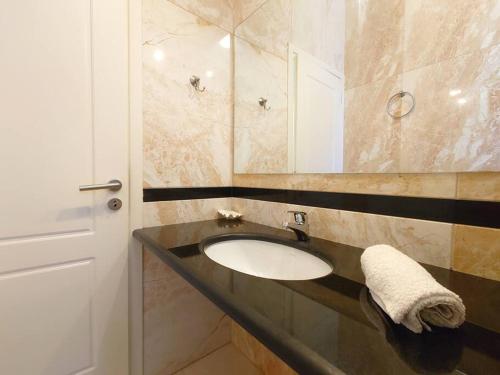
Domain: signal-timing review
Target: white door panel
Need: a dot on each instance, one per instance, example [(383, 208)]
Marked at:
[(49, 292), (46, 113), (318, 115), (63, 123)]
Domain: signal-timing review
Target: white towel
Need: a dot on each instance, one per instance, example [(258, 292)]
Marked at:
[(407, 292)]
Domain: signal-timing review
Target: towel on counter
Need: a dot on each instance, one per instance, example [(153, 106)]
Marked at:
[(407, 292)]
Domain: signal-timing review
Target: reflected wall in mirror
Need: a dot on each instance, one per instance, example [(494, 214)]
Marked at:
[(326, 71)]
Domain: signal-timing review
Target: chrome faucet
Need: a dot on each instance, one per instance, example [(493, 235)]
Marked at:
[(299, 226)]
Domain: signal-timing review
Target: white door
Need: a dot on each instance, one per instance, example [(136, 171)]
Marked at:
[(319, 120), (63, 123)]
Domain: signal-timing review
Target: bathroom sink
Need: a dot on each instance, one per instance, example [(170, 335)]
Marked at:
[(270, 258)]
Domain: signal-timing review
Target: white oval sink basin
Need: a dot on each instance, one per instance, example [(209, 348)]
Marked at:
[(267, 259)]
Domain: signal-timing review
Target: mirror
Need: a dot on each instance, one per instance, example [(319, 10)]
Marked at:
[(367, 86)]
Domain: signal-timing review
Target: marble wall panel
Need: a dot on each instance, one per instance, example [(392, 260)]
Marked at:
[(374, 40), (478, 186), (242, 9), (153, 268), (180, 325), (226, 360), (187, 134), (218, 12), (435, 31), (320, 30), (476, 251), (371, 136), (454, 126), (425, 241), (176, 212), (260, 135), (265, 360), (269, 27), (442, 185)]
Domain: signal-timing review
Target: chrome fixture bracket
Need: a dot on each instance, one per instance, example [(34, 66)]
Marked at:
[(263, 104), (195, 82), (393, 99)]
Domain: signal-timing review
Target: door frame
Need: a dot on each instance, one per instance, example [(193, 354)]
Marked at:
[(136, 186)]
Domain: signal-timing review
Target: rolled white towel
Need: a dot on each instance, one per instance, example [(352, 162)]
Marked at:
[(407, 292)]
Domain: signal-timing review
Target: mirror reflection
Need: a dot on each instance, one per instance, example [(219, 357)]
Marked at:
[(361, 86)]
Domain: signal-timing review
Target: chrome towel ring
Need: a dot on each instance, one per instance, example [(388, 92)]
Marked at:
[(394, 99)]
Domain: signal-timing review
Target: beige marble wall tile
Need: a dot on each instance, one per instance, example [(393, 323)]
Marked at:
[(218, 12), (438, 185), (371, 136), (479, 186), (187, 134), (435, 31), (425, 241), (153, 268), (454, 126), (476, 250), (320, 30), (267, 362), (180, 325), (374, 40), (269, 27), (261, 136), (176, 212), (242, 9), (226, 360), (260, 151)]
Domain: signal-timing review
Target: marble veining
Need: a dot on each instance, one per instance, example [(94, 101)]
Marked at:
[(476, 251), (242, 9), (176, 212), (442, 185), (180, 324), (435, 31), (479, 186), (320, 30), (218, 12), (260, 136), (258, 354), (226, 360), (269, 27), (425, 241), (187, 134), (374, 40), (371, 136), (455, 125)]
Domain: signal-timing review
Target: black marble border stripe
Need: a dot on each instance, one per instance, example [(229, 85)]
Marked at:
[(179, 194), (477, 213)]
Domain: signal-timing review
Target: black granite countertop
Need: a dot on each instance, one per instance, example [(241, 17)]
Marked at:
[(329, 324)]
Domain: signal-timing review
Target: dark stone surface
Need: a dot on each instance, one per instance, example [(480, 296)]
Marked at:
[(478, 213), (322, 325)]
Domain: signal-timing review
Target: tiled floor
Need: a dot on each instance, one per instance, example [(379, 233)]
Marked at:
[(224, 361)]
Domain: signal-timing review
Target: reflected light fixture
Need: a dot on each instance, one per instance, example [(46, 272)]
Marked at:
[(158, 55), (225, 42)]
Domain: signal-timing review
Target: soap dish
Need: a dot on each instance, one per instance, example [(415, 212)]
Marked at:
[(229, 215)]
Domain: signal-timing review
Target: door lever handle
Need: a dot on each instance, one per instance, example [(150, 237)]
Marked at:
[(113, 185)]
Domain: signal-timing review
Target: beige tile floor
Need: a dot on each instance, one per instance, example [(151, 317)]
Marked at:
[(224, 361)]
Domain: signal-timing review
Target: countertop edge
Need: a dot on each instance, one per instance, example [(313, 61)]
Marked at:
[(291, 351)]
